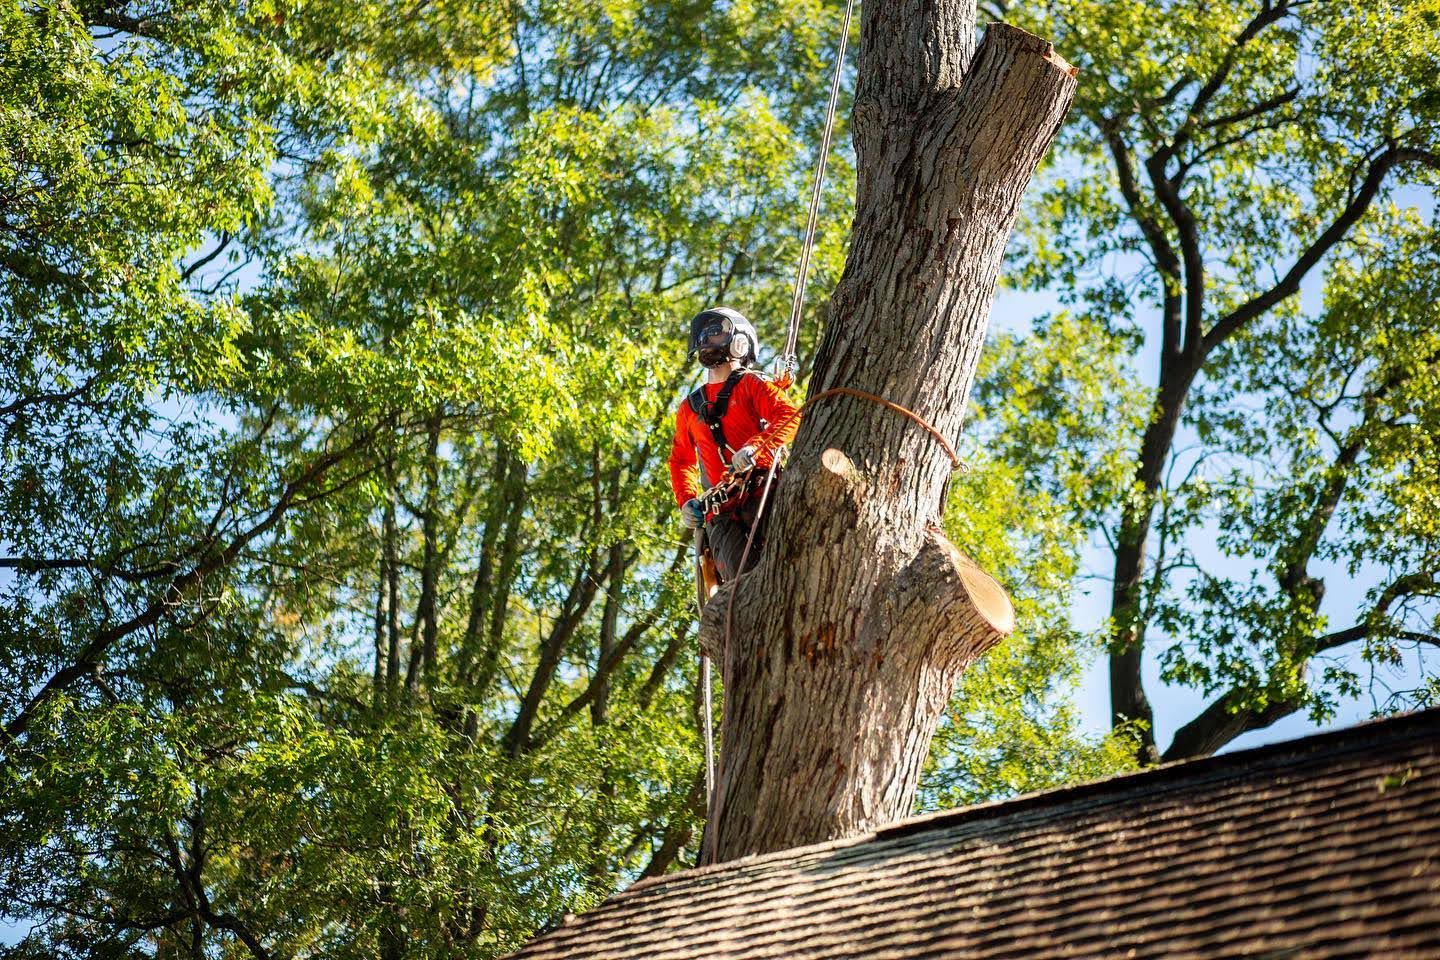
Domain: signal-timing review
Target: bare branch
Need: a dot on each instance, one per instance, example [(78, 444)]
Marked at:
[(59, 397), (225, 238), (1264, 106)]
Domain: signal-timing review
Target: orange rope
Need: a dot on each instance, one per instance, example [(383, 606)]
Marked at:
[(779, 428), (955, 460)]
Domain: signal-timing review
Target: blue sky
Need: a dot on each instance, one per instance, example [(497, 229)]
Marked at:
[(1175, 705)]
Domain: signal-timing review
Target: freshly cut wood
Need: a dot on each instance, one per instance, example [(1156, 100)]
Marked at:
[(850, 635)]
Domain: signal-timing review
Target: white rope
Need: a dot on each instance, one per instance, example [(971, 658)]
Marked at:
[(709, 711), (788, 361)]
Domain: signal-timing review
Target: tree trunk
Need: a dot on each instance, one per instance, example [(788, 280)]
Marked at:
[(850, 635)]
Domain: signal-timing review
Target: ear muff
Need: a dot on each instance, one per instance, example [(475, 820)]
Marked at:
[(739, 346)]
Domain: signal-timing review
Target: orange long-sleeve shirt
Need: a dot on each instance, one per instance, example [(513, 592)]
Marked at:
[(759, 414)]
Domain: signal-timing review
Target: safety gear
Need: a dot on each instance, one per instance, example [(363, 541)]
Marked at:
[(712, 412), (726, 534), (753, 412), (692, 514), (743, 459), (720, 335)]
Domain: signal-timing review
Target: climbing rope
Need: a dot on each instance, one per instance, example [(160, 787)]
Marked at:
[(956, 464), (709, 708), (788, 364)]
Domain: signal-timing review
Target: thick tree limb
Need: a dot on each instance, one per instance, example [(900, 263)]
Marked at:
[(1222, 721), (1166, 260), (1190, 253)]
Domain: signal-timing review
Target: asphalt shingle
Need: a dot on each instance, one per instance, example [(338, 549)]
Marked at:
[(1325, 847)]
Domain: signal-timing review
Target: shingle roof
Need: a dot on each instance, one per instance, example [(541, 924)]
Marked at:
[(1323, 847)]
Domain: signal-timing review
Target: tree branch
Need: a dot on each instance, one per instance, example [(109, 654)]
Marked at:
[(1165, 257), (90, 655), (1223, 720), (1231, 715), (1194, 260), (38, 564), (1268, 15), (581, 594), (60, 397), (679, 829), (615, 656), (225, 238), (1264, 106), (1289, 284)]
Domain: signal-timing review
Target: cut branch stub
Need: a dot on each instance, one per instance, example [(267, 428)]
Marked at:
[(850, 635)]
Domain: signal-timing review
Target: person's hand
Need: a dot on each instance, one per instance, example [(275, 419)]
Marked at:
[(692, 514), (743, 459)]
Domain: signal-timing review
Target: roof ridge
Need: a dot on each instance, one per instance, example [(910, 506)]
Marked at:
[(1340, 740)]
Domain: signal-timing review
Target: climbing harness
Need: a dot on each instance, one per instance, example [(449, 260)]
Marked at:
[(733, 488)]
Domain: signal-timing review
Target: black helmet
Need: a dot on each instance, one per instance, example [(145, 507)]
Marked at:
[(721, 335)]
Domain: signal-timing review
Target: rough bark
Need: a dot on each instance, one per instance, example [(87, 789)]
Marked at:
[(849, 637)]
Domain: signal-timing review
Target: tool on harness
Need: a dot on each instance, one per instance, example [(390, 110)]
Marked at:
[(734, 488), (731, 487)]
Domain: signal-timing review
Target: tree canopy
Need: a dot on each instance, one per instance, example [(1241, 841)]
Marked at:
[(343, 608), (1224, 157)]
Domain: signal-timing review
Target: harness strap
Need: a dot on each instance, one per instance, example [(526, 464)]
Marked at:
[(711, 413)]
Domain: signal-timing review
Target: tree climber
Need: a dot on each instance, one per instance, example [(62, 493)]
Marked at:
[(735, 402)]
